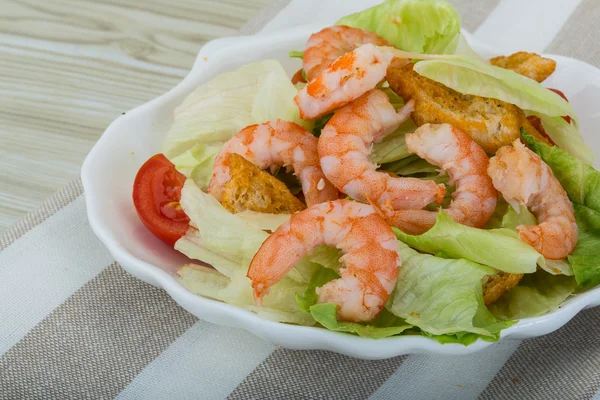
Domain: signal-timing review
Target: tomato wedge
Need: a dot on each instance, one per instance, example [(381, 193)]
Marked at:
[(561, 94), (156, 196)]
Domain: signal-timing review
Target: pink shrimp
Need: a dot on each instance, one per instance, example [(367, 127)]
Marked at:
[(276, 144), (327, 45), (344, 148), (475, 198), (524, 178), (370, 256), (346, 79)]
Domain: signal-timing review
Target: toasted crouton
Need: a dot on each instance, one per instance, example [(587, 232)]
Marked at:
[(495, 286), (252, 189), (489, 122), (530, 65)]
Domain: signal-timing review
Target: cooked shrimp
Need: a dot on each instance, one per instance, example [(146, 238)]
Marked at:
[(474, 200), (370, 256), (276, 144), (327, 45), (346, 79), (523, 178), (344, 148)]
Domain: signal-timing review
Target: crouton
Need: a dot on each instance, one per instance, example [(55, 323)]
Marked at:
[(489, 122), (252, 189), (530, 65), (495, 286)]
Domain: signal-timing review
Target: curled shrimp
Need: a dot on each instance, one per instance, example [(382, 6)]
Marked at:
[(474, 200), (276, 144), (523, 178), (327, 45), (344, 147), (347, 78), (370, 256)]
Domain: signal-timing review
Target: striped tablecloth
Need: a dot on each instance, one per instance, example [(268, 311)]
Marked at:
[(74, 325)]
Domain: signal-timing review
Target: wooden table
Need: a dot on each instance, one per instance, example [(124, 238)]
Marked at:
[(69, 67)]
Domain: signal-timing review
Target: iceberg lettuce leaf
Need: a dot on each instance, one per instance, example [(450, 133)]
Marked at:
[(582, 184), (220, 108), (443, 296), (470, 76), (497, 248), (420, 26), (386, 324), (536, 294)]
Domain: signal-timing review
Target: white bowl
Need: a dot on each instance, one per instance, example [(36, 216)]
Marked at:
[(109, 170)]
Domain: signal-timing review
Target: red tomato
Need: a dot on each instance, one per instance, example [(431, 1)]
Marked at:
[(156, 195), (537, 124), (561, 94)]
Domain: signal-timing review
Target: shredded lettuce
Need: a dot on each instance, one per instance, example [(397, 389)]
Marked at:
[(497, 248), (443, 296), (420, 26), (582, 184), (536, 294)]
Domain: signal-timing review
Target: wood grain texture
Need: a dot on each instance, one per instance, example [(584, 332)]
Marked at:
[(70, 67)]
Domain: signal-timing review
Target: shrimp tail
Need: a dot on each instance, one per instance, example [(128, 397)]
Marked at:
[(441, 193)]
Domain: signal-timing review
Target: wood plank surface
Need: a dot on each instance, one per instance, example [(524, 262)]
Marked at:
[(69, 67)]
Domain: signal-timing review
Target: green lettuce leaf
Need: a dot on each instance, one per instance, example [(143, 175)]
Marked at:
[(197, 163), (386, 324), (536, 294), (296, 54), (443, 296), (567, 137), (585, 258), (310, 297), (582, 184), (390, 149), (497, 248), (207, 282), (470, 76), (221, 107), (580, 180), (417, 166), (420, 26)]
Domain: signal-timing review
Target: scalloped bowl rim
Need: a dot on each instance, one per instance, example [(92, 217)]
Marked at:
[(286, 335)]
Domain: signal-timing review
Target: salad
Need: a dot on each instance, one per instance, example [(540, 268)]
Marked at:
[(397, 184)]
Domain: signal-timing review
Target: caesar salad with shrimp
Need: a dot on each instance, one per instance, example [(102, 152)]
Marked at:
[(397, 184)]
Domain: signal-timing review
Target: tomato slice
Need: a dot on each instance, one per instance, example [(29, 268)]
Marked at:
[(561, 94), (156, 196)]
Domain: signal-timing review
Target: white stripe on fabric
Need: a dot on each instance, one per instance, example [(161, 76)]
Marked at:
[(530, 25), (207, 361), (597, 395), (44, 267), (446, 377)]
